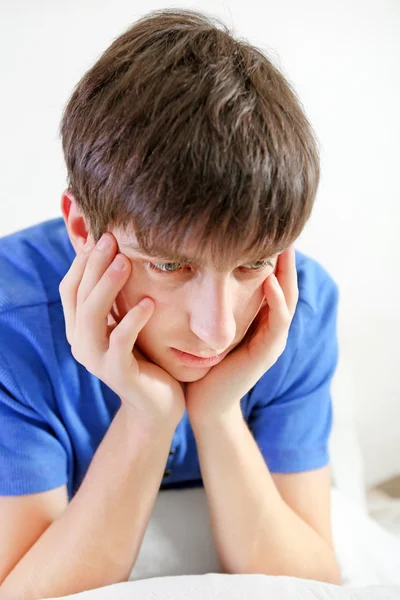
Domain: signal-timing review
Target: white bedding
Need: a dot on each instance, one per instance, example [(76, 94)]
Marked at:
[(178, 560), (215, 586)]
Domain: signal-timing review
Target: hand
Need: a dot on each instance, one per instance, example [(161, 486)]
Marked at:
[(218, 393), (88, 292)]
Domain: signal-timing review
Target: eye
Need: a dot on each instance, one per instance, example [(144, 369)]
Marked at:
[(171, 268), (262, 263), (163, 267)]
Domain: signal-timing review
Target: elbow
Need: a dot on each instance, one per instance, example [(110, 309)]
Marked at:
[(330, 574), (335, 575)]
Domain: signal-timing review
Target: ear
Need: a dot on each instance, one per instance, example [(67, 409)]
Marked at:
[(74, 220)]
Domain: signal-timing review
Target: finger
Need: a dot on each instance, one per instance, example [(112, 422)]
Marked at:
[(122, 351), (286, 274), (278, 314), (99, 260), (92, 314), (69, 286)]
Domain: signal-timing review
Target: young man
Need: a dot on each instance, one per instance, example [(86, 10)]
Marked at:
[(191, 153)]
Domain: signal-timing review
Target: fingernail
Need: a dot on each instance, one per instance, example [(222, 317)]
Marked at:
[(145, 302), (118, 263), (104, 242)]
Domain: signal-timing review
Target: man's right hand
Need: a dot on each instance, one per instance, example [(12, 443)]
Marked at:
[(88, 292)]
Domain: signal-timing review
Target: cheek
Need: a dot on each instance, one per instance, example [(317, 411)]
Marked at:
[(167, 317), (139, 284), (165, 328), (253, 295), (254, 304), (251, 321)]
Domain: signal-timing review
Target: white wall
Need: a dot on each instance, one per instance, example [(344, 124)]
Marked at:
[(343, 59)]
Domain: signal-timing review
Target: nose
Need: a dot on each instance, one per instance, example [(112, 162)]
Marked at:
[(212, 316)]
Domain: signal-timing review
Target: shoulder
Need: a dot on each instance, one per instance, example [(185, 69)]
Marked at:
[(32, 263), (317, 302), (316, 285)]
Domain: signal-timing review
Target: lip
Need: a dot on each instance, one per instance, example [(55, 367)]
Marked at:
[(195, 361)]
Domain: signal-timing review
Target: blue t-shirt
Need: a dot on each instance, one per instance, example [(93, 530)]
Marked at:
[(54, 413)]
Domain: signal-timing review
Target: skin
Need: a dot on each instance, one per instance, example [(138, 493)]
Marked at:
[(197, 309)]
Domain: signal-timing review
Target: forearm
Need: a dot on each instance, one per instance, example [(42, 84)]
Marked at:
[(254, 529), (97, 539)]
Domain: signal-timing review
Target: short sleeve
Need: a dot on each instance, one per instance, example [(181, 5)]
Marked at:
[(292, 430), (32, 459)]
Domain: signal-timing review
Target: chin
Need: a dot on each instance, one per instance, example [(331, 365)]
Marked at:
[(191, 378), (186, 374)]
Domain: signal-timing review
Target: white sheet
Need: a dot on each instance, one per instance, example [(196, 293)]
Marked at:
[(368, 553), (214, 586), (384, 509), (178, 559)]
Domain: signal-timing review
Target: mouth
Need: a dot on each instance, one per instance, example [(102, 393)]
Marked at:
[(198, 355), (193, 360)]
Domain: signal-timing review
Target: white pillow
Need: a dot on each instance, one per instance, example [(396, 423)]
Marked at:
[(234, 587)]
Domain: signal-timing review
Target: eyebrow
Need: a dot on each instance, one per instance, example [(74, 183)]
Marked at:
[(163, 255)]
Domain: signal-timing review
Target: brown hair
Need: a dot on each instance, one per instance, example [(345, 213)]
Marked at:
[(183, 132)]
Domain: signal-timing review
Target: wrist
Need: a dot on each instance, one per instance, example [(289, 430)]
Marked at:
[(214, 419), (146, 422)]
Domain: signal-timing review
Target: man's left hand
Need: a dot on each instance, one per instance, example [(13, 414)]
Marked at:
[(218, 393)]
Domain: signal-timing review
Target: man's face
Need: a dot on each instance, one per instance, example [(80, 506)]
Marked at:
[(197, 309)]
